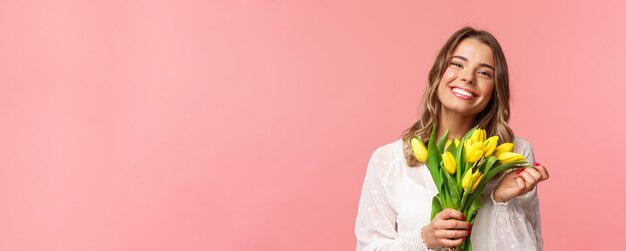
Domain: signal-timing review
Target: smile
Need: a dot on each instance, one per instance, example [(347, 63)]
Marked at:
[(462, 93)]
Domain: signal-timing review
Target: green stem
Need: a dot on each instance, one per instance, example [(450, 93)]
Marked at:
[(459, 176), (464, 198), (478, 161)]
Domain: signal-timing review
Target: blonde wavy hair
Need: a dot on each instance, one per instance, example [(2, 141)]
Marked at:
[(494, 118)]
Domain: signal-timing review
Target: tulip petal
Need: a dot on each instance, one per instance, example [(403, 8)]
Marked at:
[(508, 157), (448, 162), (419, 150), (490, 145), (505, 147)]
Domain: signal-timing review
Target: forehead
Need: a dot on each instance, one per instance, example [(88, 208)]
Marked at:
[(474, 50)]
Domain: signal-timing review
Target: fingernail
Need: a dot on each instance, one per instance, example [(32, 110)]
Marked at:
[(462, 217), (471, 225), (535, 164), (463, 238), (469, 232), (520, 171)]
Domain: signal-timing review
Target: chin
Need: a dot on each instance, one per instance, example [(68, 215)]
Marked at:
[(463, 110)]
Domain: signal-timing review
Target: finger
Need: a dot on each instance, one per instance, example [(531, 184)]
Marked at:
[(533, 172), (451, 243), (450, 213), (438, 223), (520, 182), (453, 234), (455, 224), (530, 182), (544, 172), (529, 179)]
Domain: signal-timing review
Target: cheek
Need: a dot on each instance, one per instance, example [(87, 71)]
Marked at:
[(488, 90), (448, 75)]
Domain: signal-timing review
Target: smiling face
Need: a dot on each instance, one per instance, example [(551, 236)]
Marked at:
[(467, 84)]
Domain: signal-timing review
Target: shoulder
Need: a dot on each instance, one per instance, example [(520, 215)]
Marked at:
[(389, 150), (520, 143), (384, 156), (386, 163)]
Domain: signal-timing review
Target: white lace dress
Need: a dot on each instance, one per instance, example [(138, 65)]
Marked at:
[(396, 200)]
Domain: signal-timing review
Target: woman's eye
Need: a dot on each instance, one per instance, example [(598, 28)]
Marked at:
[(484, 73), (456, 64)]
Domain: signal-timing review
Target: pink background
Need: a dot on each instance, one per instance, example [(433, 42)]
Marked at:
[(247, 125)]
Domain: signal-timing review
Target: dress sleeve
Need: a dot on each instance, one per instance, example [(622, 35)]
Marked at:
[(511, 225), (375, 227)]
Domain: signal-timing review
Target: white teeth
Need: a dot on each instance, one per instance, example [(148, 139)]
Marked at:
[(462, 92)]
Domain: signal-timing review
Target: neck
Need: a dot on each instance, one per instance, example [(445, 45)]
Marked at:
[(456, 124)]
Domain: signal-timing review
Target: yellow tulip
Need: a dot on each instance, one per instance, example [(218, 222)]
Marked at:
[(475, 155), (477, 181), (506, 147), (468, 177), (465, 183), (456, 143), (467, 145), (448, 162), (419, 150), (479, 135), (475, 151), (508, 157), (490, 145)]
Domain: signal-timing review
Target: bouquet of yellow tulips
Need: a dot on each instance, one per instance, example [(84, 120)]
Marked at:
[(461, 169)]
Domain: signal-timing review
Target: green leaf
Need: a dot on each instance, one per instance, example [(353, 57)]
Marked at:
[(452, 148), (448, 203), (489, 163), (468, 245), (434, 158), (443, 198), (474, 206), (503, 167), (442, 142), (469, 133), (454, 193), (460, 164), (436, 207)]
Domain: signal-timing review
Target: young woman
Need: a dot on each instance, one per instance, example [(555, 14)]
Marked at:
[(468, 85)]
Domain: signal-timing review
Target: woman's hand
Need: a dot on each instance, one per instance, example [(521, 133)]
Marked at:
[(447, 229), (514, 184)]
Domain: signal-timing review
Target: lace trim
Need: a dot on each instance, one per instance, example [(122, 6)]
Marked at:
[(505, 203), (420, 243)]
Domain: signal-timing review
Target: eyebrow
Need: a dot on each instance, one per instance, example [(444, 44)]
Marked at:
[(481, 64)]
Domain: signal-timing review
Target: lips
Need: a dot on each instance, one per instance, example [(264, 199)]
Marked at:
[(463, 93)]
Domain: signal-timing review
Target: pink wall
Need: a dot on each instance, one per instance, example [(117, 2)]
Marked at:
[(247, 125)]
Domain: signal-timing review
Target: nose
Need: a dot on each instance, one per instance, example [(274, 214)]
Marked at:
[(468, 77)]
